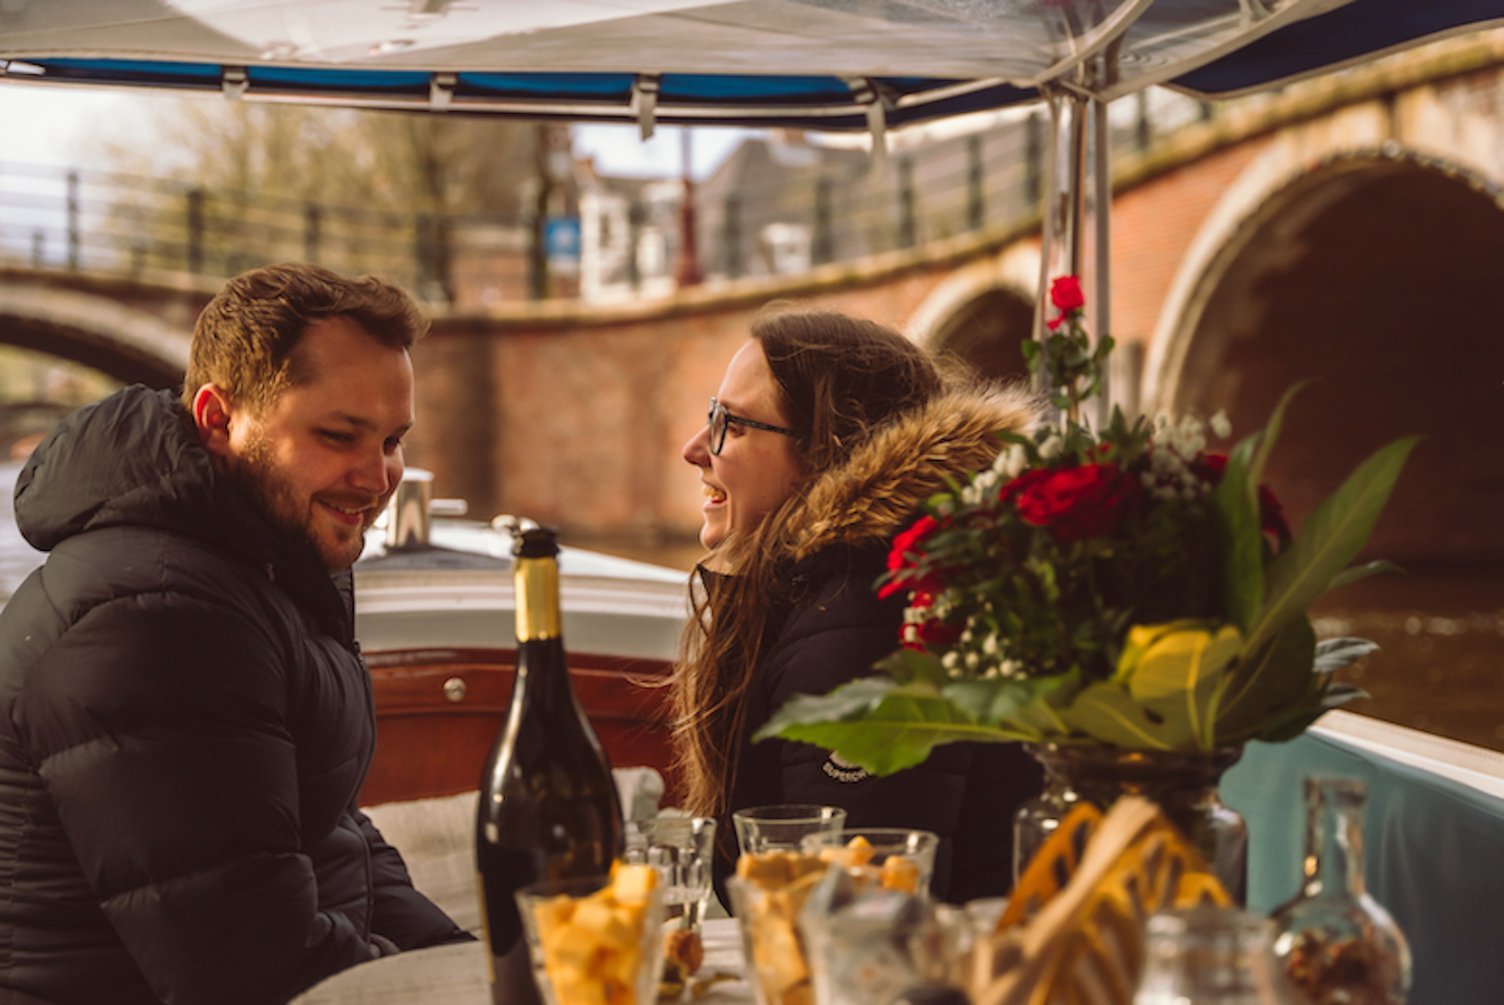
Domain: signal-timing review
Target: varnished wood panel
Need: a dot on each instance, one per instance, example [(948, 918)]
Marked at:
[(429, 744)]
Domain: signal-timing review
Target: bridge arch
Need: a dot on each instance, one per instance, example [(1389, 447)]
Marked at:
[(982, 312), (1367, 270), (122, 342)]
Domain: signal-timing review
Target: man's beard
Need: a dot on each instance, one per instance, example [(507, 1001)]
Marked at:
[(255, 474)]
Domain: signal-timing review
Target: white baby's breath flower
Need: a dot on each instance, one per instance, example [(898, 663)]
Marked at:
[(1050, 448), (973, 661), (951, 660), (1011, 461), (989, 644), (1221, 425)]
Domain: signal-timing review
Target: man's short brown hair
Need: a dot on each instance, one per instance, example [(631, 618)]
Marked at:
[(245, 337)]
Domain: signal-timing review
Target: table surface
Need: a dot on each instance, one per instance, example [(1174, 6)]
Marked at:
[(456, 975)]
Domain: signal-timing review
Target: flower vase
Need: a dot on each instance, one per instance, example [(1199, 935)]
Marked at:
[(1338, 944), (1184, 785)]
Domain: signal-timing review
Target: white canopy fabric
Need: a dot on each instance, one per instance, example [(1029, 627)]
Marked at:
[(813, 63)]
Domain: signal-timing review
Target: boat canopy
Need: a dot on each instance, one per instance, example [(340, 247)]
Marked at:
[(822, 64)]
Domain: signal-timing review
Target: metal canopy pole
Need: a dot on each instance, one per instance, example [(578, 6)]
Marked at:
[(1079, 131), (1065, 171), (1103, 71)]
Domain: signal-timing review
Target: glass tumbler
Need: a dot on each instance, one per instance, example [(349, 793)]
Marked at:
[(1211, 956), (591, 939), (903, 859), (682, 850), (783, 826)]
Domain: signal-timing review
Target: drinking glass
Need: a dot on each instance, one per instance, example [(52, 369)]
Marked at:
[(904, 858), (783, 826), (588, 940), (772, 941), (681, 849), (1211, 956)]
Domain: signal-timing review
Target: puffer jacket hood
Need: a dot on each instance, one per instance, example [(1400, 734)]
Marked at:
[(134, 460), (882, 485)]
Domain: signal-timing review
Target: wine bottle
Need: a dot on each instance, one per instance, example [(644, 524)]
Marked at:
[(548, 805)]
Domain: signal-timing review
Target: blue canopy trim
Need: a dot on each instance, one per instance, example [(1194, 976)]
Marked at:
[(1354, 30), (1339, 37)]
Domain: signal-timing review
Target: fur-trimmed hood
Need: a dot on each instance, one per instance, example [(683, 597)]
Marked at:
[(880, 487)]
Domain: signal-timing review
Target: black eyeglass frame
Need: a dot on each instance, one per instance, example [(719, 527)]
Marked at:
[(728, 419)]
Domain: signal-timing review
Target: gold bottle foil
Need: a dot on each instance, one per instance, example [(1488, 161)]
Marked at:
[(537, 599)]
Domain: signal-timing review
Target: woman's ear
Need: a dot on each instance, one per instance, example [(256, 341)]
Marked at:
[(212, 410)]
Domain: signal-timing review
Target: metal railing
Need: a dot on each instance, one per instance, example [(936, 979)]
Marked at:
[(789, 217)]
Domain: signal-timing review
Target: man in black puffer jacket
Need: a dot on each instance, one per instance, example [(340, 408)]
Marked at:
[(185, 719)]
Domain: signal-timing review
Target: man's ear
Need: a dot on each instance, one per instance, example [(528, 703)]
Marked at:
[(212, 410)]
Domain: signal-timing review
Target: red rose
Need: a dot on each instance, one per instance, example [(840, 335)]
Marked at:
[(1066, 295), (1073, 503), (908, 543), (1271, 510)]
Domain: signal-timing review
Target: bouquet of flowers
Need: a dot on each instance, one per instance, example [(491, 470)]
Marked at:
[(1125, 587)]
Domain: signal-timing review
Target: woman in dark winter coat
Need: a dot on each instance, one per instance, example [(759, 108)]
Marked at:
[(824, 439)]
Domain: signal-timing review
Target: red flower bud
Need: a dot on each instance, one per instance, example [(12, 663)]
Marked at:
[(904, 554), (1066, 295)]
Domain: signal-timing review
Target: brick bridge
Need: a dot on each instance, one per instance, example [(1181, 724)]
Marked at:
[(1347, 230)]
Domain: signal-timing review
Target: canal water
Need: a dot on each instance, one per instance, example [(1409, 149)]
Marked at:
[(1440, 668)]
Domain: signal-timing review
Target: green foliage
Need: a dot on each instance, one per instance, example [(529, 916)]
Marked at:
[(1120, 586), (880, 725), (1330, 539)]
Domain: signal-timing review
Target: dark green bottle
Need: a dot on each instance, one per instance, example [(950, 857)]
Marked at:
[(548, 805)]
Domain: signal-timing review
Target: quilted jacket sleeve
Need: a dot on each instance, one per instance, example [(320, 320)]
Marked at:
[(158, 723), (832, 638), (401, 913)]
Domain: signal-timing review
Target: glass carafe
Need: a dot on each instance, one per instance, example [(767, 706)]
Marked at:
[(1338, 944), (1211, 956)]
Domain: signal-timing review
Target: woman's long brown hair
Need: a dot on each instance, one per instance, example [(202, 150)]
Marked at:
[(839, 378)]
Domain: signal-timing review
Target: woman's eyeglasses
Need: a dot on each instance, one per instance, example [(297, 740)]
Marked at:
[(720, 419)]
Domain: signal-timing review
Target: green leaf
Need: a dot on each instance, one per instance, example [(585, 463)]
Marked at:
[(1104, 711), (1239, 538), (851, 699), (1334, 654), (1266, 441), (908, 665), (1001, 702), (1299, 717), (1273, 680), (1356, 572), (878, 724), (1181, 670), (1329, 540)]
